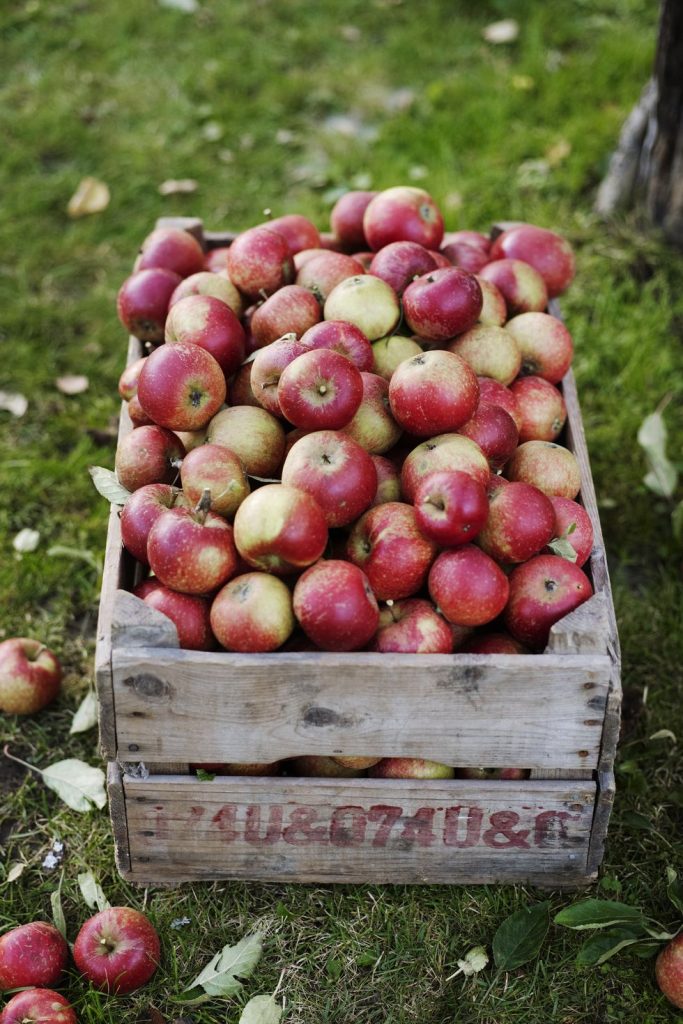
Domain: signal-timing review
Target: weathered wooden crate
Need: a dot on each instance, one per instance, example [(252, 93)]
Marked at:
[(555, 713)]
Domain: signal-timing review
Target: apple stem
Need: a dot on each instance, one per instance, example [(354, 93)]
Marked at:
[(203, 506)]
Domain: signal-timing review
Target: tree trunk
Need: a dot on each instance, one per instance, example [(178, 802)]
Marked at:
[(647, 167)]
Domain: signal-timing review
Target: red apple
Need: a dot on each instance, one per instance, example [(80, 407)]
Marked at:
[(521, 286), (334, 470), (173, 249), (191, 439), (412, 626), (346, 218), (138, 417), (322, 273), (388, 353), (335, 606), (142, 302), (367, 302), (466, 249), (542, 591), (669, 971), (446, 451), (364, 258), (253, 612), (302, 258), (541, 407), (440, 260), (399, 263), (217, 468), (442, 303), (492, 392), (360, 763), (128, 381), (30, 679), (494, 311), (320, 390), (494, 430), (490, 351), (239, 390), (548, 466), (33, 954), (545, 344), (373, 426), (450, 507), (188, 612), (139, 514), (388, 545), (403, 214), (521, 521), (433, 393), (259, 262), (291, 310), (492, 643), (492, 773), (148, 455), (267, 367), (39, 1005), (299, 231), (549, 254), (192, 550), (388, 481), (181, 386), (215, 260), (410, 768), (217, 285), (206, 321), (341, 337), (255, 436), (573, 523), (280, 529), (117, 950), (467, 586), (318, 767)]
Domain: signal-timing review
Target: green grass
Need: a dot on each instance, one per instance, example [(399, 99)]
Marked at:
[(129, 92)]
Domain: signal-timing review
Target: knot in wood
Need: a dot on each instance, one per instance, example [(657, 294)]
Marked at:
[(147, 685)]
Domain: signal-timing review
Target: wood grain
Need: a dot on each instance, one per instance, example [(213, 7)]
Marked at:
[(117, 810)]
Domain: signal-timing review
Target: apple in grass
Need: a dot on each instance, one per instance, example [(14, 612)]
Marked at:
[(322, 273), (148, 455), (336, 471), (367, 302), (573, 524), (490, 351), (442, 303), (403, 213), (547, 252), (33, 954), (117, 950), (545, 344), (412, 626), (291, 310), (443, 452), (298, 230), (217, 468), (320, 390), (433, 393), (450, 507), (142, 302), (410, 768), (30, 679), (280, 529), (373, 427), (259, 262), (542, 591), (181, 386), (267, 367), (400, 262), (188, 612), (191, 549), (139, 514), (346, 218), (548, 466), (521, 521), (207, 322), (521, 286), (253, 613), (492, 392), (335, 606), (39, 1005), (255, 436), (173, 249), (669, 971), (388, 545), (467, 586), (388, 481), (388, 353), (542, 409), (341, 337), (218, 286)]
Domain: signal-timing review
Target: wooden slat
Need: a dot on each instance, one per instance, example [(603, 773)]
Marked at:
[(361, 830), (603, 810), (117, 810), (529, 711)]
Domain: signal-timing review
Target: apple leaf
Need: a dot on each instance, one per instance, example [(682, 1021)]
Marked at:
[(86, 714), (598, 914), (604, 945), (178, 186), (562, 547), (16, 871), (261, 1010), (521, 936), (91, 196), (57, 910), (12, 402), (91, 891), (663, 734), (674, 889), (79, 785), (652, 437), (26, 540), (498, 32), (221, 975), (107, 484), (72, 384)]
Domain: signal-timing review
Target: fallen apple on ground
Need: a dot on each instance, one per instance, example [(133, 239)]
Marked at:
[(118, 950), (30, 679), (33, 954)]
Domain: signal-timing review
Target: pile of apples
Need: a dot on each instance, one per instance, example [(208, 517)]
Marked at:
[(363, 428)]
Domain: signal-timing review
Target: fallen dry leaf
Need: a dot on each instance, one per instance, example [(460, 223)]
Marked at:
[(178, 186), (523, 83), (73, 384), (16, 871), (91, 196), (558, 152), (14, 403), (505, 31), (26, 540)]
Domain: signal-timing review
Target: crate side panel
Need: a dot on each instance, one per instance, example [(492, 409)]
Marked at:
[(361, 830)]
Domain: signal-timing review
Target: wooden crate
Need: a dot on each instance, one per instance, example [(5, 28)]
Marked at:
[(555, 713)]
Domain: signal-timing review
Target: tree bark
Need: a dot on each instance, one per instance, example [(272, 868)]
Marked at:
[(647, 168)]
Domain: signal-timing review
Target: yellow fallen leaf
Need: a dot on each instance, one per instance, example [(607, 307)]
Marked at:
[(91, 196), (505, 31), (558, 152), (178, 186), (524, 83), (72, 385)]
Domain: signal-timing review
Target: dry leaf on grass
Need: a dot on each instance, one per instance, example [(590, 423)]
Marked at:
[(16, 871), (178, 186), (13, 402), (505, 31), (91, 196), (72, 384), (26, 540), (558, 152)]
